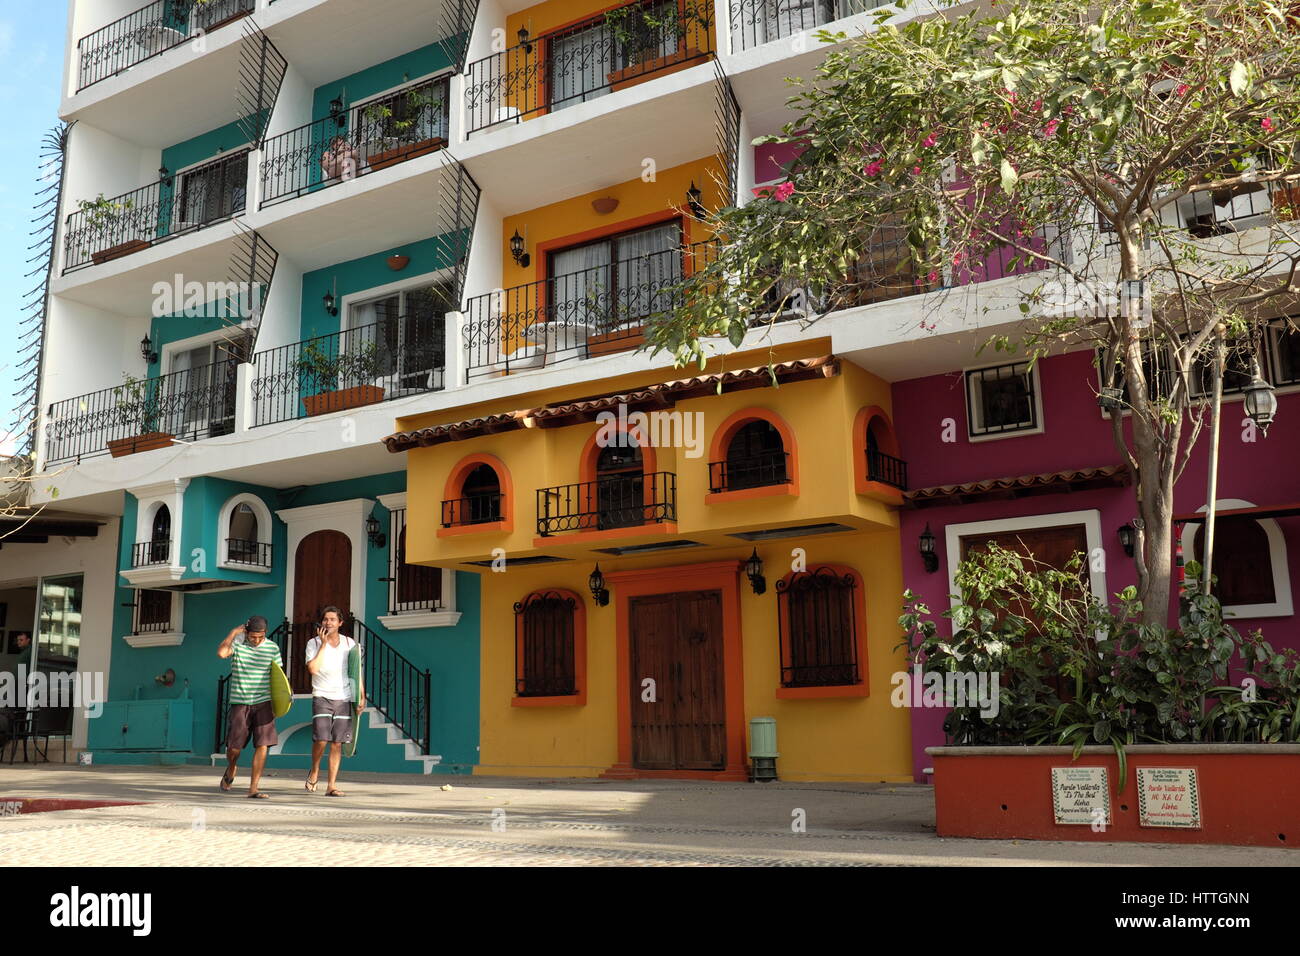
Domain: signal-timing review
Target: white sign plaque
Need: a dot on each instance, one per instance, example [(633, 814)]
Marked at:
[(1080, 795), (1168, 797)]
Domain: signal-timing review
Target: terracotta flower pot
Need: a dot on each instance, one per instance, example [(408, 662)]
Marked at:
[(400, 154), (120, 447), (344, 398), (680, 59), (398, 263), (117, 251)]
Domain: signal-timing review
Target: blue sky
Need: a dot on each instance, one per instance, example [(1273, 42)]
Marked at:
[(31, 66)]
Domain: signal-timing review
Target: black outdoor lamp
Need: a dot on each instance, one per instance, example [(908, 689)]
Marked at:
[(164, 175), (1126, 538), (695, 200), (754, 571), (1261, 403), (336, 106), (330, 305), (377, 538), (596, 582), (517, 251), (927, 550), (523, 39), (146, 350), (1111, 398)]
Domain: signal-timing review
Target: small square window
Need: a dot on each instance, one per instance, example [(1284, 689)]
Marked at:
[(1001, 400)]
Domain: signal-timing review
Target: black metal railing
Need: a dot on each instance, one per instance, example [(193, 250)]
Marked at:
[(578, 63), (411, 121), (149, 32), (751, 471), (392, 358), (105, 229), (886, 469), (474, 509), (255, 553), (625, 501), (578, 315), (394, 686), (191, 404), (755, 22), (148, 553)]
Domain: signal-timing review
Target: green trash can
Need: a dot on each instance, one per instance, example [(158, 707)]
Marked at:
[(762, 749)]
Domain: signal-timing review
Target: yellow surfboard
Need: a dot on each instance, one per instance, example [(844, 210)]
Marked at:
[(281, 692)]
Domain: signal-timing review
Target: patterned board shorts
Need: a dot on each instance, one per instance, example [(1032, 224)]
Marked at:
[(331, 720)]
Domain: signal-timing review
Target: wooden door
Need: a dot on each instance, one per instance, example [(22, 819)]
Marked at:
[(322, 576), (676, 640)]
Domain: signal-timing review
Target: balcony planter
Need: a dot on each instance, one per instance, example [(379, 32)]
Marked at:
[(1245, 794), (609, 343), (225, 20), (120, 447), (647, 69), (344, 398), (117, 251), (1286, 203), (399, 154)]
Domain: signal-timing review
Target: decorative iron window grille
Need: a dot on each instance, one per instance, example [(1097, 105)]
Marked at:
[(411, 587), (152, 612), (545, 650), (1001, 400), (818, 629)]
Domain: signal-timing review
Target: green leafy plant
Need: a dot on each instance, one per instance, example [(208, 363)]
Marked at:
[(641, 29), (1075, 671), (323, 371), (132, 408), (103, 217)]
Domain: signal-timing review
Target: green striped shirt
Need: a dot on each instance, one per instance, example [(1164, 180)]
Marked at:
[(250, 671)]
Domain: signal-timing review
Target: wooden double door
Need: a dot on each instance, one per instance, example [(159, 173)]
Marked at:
[(322, 577), (679, 720)]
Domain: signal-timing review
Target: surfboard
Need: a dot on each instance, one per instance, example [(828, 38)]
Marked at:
[(281, 692), (354, 675)]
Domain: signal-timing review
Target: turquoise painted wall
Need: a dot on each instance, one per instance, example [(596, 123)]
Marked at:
[(204, 146), (450, 654), (376, 79)]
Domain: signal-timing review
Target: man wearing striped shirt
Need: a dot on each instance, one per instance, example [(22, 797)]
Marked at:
[(251, 717)]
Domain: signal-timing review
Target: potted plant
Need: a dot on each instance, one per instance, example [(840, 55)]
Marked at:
[(641, 32), (132, 411), (107, 220), (401, 135), (320, 376)]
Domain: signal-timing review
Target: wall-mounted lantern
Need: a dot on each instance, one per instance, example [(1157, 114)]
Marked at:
[(596, 582), (927, 550)]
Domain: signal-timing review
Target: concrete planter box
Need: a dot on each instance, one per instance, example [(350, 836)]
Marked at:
[(344, 398), (120, 447), (1249, 794)]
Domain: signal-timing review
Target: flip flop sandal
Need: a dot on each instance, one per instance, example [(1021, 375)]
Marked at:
[(336, 793), (259, 796), (226, 783), (310, 784)]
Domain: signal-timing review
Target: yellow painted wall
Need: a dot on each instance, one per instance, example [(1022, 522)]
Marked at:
[(575, 219), (858, 738)]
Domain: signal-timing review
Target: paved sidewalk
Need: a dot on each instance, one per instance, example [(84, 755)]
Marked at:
[(399, 819)]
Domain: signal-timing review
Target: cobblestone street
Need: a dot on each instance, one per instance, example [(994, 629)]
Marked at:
[(399, 820)]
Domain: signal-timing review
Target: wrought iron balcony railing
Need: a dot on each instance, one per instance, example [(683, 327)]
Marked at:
[(755, 22), (409, 122), (254, 553), (191, 404), (752, 471), (582, 314), (148, 553), (886, 469), (179, 203), (578, 63), (395, 357), (616, 502), (474, 509), (149, 32)]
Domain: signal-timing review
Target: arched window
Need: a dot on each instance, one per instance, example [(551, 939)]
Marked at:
[(620, 487), (244, 533), (756, 457), (547, 648), (482, 495), (876, 452), (1242, 561), (160, 536)]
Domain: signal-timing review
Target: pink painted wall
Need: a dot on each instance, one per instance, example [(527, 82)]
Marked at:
[(1075, 436), (770, 157)]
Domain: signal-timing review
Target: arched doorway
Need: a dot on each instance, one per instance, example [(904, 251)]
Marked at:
[(322, 576)]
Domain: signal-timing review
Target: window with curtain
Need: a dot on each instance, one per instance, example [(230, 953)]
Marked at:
[(579, 61), (212, 191), (200, 398), (616, 283), (407, 332)]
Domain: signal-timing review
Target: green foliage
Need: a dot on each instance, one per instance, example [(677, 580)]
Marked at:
[(320, 370), (1077, 672)]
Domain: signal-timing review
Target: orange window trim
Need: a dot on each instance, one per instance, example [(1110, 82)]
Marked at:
[(544, 249), (862, 687), (722, 437), (455, 485), (579, 656), (861, 483), (721, 576)]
